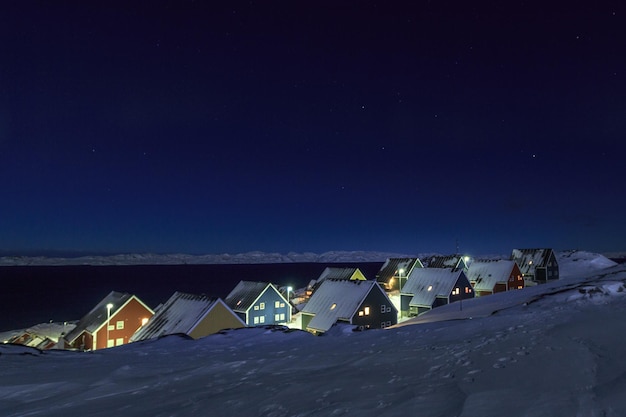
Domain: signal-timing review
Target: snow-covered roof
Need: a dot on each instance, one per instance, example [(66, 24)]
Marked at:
[(332, 272), (487, 274), (243, 296), (180, 314), (529, 259), (444, 261), (392, 266), (98, 315), (336, 299), (426, 284)]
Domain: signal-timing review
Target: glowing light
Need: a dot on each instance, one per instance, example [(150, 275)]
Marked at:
[(144, 321)]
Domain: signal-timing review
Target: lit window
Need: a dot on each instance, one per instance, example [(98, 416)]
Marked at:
[(238, 302), (360, 313), (282, 316), (256, 320), (262, 319), (144, 321), (430, 288), (119, 341), (520, 287), (276, 317), (333, 306), (276, 304), (467, 290), (282, 304), (262, 306), (367, 311), (111, 327), (256, 307), (110, 343), (119, 325), (456, 291)]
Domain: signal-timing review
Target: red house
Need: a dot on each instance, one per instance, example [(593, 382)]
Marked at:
[(110, 323), (490, 277)]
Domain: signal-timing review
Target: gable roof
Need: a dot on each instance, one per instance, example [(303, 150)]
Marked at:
[(181, 313), (348, 273), (244, 295), (345, 295), (444, 261), (97, 317), (392, 266), (487, 274), (529, 259), (426, 284)]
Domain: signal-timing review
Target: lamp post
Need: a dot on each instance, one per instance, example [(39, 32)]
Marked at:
[(400, 272), (109, 307)]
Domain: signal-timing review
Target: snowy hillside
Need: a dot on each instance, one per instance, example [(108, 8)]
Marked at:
[(549, 350)]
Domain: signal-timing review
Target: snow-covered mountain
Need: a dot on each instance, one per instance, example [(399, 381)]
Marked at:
[(182, 259), (550, 350)]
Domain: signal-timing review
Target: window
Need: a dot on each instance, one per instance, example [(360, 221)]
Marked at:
[(468, 290), (383, 308), (276, 304), (256, 308), (332, 307), (282, 316), (456, 291), (388, 309), (110, 343), (111, 327), (382, 325), (119, 325), (367, 311), (119, 341), (282, 304), (262, 306), (388, 323), (360, 313), (276, 317), (262, 319), (430, 288), (256, 320)]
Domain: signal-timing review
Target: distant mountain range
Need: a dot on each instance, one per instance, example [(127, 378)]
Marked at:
[(182, 259)]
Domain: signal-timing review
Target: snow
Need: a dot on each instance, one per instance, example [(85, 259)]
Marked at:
[(555, 349)]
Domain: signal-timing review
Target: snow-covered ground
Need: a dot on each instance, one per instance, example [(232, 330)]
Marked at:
[(550, 350)]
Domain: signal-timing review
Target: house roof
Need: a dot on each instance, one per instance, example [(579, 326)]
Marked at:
[(443, 261), (426, 284), (392, 265), (180, 314), (98, 315), (529, 259), (348, 273), (487, 274), (243, 296), (336, 299)]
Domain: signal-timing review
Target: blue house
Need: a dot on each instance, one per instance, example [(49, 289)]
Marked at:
[(259, 303)]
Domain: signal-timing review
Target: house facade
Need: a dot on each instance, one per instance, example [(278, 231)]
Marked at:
[(428, 288), (537, 265), (110, 323), (259, 303), (490, 277), (194, 315), (363, 304), (394, 272)]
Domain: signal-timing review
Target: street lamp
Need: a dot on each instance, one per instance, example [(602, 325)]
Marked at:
[(109, 307), (400, 272)]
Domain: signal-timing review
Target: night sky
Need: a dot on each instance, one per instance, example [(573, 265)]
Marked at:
[(408, 127)]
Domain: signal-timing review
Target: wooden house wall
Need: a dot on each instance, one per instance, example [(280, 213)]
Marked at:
[(219, 318), (269, 298), (132, 315), (376, 319)]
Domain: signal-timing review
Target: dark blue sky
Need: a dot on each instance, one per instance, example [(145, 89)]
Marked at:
[(287, 126)]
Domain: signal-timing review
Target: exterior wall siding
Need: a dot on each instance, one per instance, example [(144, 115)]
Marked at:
[(219, 318), (376, 301), (265, 310), (131, 315)]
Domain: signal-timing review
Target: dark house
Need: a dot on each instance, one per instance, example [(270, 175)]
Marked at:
[(395, 271), (428, 288), (259, 303), (194, 315), (537, 265), (363, 304), (490, 277)]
